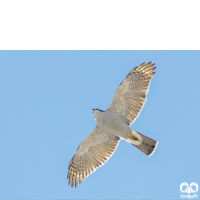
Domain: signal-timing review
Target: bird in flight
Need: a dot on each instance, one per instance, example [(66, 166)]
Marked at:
[(114, 125)]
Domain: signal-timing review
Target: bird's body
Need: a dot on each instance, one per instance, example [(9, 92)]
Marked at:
[(114, 125)]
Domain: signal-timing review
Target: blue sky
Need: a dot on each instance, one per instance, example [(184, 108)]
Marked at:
[(46, 106)]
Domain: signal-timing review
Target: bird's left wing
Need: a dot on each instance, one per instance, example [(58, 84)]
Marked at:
[(93, 152), (131, 94)]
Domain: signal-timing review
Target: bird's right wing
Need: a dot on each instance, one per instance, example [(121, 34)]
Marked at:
[(93, 152)]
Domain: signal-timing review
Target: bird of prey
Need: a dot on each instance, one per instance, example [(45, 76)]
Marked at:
[(114, 125)]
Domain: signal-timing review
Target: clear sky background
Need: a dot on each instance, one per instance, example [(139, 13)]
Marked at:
[(46, 106)]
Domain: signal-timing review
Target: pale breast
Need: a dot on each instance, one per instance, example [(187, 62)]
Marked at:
[(113, 124)]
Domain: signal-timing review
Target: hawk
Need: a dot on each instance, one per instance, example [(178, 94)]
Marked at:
[(114, 125)]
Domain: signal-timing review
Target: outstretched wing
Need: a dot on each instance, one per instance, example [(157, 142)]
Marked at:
[(93, 152), (131, 94)]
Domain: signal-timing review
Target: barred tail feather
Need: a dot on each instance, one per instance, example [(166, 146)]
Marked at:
[(148, 146)]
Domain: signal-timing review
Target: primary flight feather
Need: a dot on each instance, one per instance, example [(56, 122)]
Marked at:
[(113, 125)]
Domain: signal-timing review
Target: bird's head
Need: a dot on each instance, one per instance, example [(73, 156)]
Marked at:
[(96, 112)]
